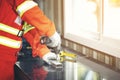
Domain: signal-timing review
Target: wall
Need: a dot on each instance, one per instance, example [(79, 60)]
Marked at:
[(52, 8)]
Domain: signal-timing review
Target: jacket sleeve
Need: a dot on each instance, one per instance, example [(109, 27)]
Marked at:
[(37, 48), (29, 11)]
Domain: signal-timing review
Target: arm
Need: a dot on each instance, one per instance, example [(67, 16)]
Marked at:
[(32, 36), (29, 11)]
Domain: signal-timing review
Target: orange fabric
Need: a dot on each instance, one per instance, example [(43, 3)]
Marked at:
[(6, 70), (41, 50), (37, 48), (7, 55), (29, 36), (36, 18), (7, 66), (8, 17)]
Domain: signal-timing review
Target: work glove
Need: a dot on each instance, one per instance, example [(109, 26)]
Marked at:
[(55, 41), (49, 56)]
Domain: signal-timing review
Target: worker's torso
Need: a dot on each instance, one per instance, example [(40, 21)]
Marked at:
[(10, 22)]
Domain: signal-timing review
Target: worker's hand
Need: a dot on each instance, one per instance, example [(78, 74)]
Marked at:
[(49, 56), (55, 41)]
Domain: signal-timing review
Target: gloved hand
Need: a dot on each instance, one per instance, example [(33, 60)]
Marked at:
[(47, 57), (55, 41)]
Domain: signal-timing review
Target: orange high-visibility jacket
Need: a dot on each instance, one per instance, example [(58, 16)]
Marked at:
[(12, 13)]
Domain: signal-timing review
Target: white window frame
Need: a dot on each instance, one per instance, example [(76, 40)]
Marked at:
[(100, 43)]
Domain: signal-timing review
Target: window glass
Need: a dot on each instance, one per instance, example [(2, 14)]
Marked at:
[(112, 18), (82, 17)]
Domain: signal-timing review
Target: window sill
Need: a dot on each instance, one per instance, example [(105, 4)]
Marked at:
[(106, 45)]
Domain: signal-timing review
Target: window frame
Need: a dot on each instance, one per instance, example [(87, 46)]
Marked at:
[(101, 42)]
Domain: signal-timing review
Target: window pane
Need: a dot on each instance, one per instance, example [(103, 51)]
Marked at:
[(112, 18), (84, 17)]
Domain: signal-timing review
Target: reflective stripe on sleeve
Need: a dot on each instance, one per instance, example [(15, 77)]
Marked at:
[(28, 30), (8, 29), (10, 42), (27, 27), (22, 8)]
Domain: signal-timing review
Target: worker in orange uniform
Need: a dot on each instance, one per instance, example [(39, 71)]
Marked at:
[(12, 15)]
